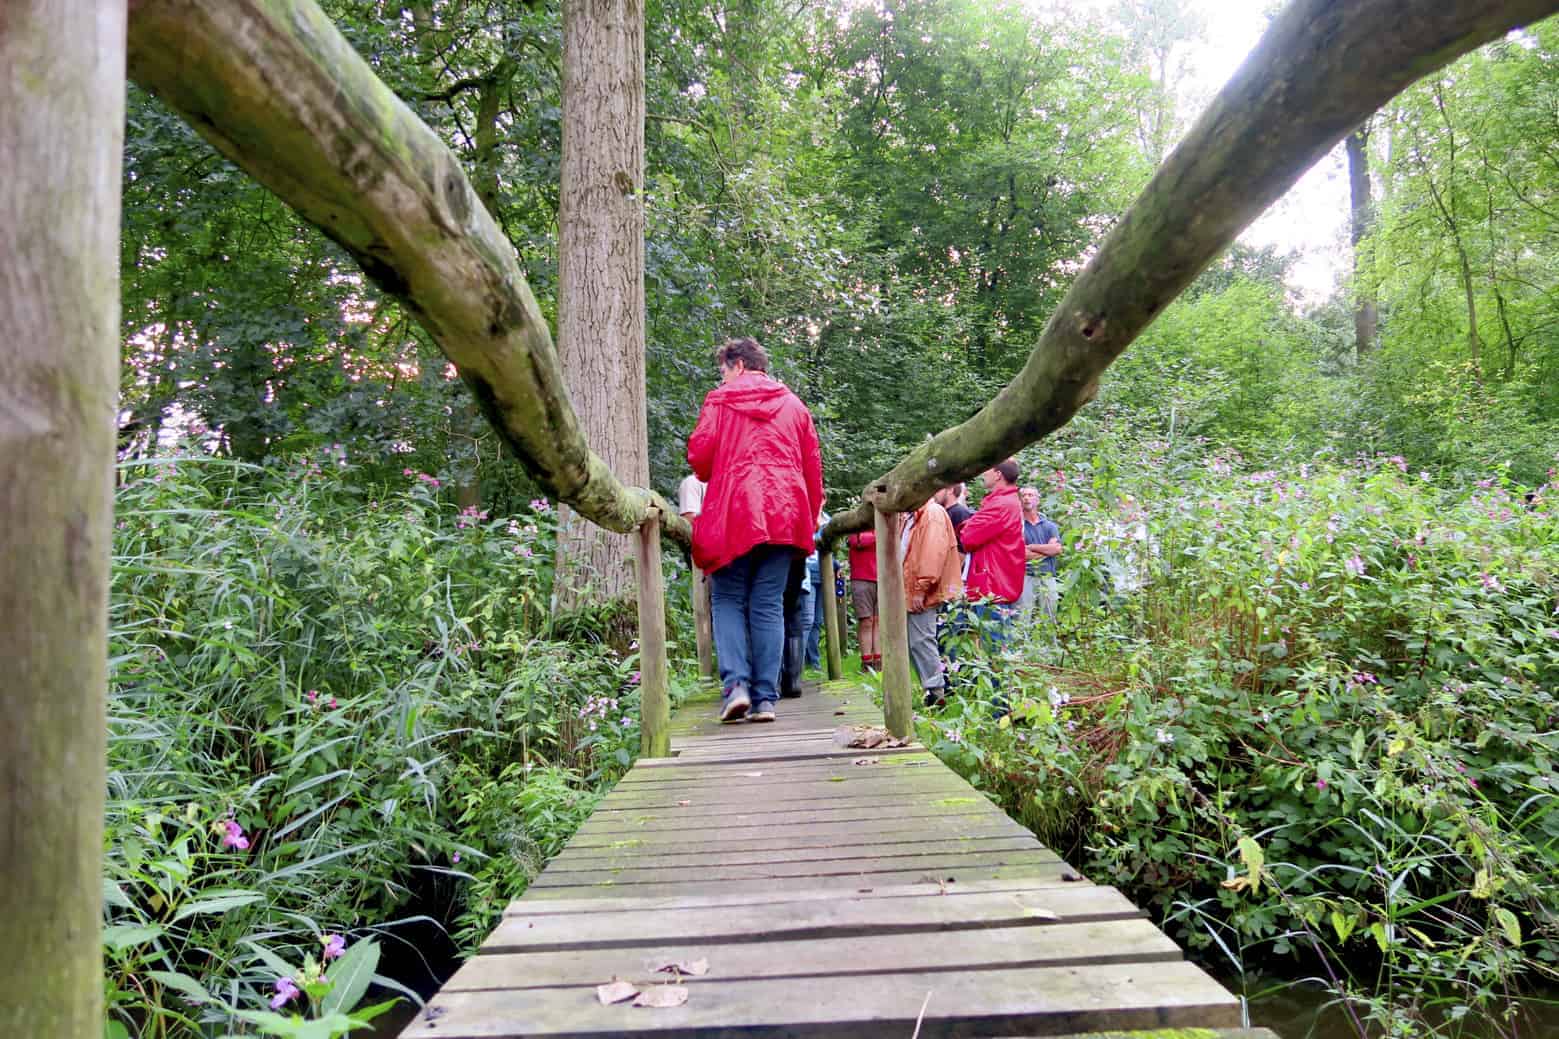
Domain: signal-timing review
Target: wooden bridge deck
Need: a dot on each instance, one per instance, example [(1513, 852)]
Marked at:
[(831, 892)]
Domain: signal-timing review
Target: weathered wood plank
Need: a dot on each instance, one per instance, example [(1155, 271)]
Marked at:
[(741, 838), (959, 1003), (639, 820), (740, 854), (1119, 941), (950, 863), (1060, 899), (530, 927), (716, 769), (840, 787), (849, 882)]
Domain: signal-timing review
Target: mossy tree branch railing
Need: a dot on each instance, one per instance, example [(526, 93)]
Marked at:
[(1322, 68), (276, 88)]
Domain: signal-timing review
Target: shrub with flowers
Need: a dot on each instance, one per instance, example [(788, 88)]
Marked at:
[(1321, 732), (333, 706)]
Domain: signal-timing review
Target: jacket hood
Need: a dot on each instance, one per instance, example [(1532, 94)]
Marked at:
[(753, 394)]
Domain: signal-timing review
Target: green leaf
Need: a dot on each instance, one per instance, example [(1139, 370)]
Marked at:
[(363, 1015), (121, 936), (216, 905), (1343, 925), (1254, 859), (349, 977), (181, 983), (1509, 925), (115, 1030)]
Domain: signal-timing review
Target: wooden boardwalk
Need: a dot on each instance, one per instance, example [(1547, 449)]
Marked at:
[(831, 892)]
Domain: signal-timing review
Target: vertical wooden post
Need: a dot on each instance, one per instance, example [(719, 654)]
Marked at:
[(62, 118), (654, 697), (833, 652), (703, 623), (893, 628)]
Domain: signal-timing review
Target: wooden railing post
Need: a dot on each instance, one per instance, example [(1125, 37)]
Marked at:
[(893, 628), (654, 696), (703, 624), (833, 652)]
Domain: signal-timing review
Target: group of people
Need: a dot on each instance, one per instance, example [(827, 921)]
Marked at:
[(961, 566), (755, 498)]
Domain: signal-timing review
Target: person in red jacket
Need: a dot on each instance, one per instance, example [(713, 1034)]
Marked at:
[(863, 595), (993, 537), (756, 447)]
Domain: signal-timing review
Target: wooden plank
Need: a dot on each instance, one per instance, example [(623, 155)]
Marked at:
[(671, 812), (530, 925), (956, 1003), (1059, 898), (1120, 941), (835, 788), (680, 771), (726, 853), (951, 862), (847, 882), (891, 830), (638, 820)]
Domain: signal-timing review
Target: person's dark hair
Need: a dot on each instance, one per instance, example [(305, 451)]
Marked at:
[(746, 350), (1008, 470)]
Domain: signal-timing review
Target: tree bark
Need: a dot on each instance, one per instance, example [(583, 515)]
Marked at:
[(601, 277), (61, 136), (277, 89), (1321, 68), (1366, 319)]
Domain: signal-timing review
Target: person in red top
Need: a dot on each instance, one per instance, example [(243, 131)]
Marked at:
[(993, 537), (863, 595), (756, 447)]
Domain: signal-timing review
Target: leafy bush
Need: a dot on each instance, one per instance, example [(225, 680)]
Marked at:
[(330, 706), (1322, 731)]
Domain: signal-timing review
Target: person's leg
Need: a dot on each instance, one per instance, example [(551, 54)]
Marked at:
[(814, 638), (766, 621), (1026, 599), (798, 608), (923, 653), (728, 595)]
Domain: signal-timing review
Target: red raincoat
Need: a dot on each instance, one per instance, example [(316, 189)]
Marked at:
[(757, 448), (993, 537)]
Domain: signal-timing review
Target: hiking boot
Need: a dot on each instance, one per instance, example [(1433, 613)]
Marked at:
[(734, 704), (764, 712), (935, 698)]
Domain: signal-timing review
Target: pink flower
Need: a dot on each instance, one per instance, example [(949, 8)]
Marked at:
[(234, 836), (335, 945), (456, 857), (633, 679), (1355, 565), (312, 696), (1320, 784), (408, 472), (332, 703), (286, 992), (539, 505)]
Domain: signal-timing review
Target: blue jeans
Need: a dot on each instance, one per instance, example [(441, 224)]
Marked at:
[(748, 603), (814, 634)]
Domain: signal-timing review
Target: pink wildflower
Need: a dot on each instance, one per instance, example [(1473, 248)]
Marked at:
[(312, 696), (1320, 784), (335, 945), (633, 679), (286, 992), (234, 836)]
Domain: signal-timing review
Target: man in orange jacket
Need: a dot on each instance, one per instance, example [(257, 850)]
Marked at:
[(932, 566)]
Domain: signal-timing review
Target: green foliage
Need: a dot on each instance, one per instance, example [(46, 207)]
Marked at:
[(332, 702), (1322, 730)]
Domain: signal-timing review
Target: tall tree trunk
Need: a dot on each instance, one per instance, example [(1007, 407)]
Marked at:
[(1366, 320), (601, 276), (61, 133)]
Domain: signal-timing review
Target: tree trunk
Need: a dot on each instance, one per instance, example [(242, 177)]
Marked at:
[(1362, 212), (1320, 69), (61, 135), (601, 277)]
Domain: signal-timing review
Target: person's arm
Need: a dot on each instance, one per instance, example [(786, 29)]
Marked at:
[(701, 445), (1049, 548), (984, 526)]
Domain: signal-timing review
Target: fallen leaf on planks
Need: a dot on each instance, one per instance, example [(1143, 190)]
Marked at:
[(683, 804), (662, 996), (615, 992), (692, 968), (865, 761)]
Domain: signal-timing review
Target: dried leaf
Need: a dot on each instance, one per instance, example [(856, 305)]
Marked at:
[(683, 804), (615, 992), (865, 761), (692, 968), (751, 775), (1040, 914), (662, 996)]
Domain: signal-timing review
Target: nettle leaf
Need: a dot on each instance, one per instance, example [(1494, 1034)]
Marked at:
[(1255, 861), (1508, 925)]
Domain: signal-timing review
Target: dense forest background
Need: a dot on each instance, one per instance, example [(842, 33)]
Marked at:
[(342, 702)]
